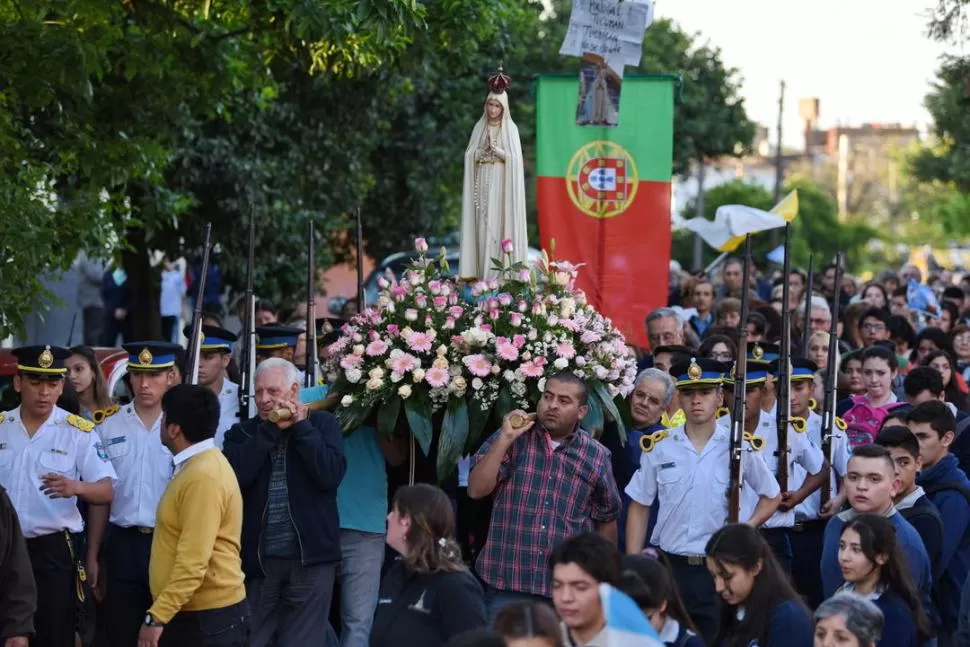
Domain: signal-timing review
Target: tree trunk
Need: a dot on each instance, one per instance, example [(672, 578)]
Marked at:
[(143, 281)]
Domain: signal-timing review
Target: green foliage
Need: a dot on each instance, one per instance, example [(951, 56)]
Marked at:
[(816, 230), (949, 105), (150, 118)]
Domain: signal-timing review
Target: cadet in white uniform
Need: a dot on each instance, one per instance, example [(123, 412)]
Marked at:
[(48, 459), (214, 357), (132, 438), (763, 431), (688, 469), (809, 530)]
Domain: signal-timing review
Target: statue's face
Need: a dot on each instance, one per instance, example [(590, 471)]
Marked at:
[(493, 108)]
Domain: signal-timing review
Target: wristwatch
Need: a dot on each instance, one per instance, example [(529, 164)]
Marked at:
[(151, 622)]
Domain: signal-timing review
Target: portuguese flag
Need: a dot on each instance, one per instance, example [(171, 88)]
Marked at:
[(604, 195)]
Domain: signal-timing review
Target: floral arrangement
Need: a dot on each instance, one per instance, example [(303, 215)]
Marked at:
[(474, 352)]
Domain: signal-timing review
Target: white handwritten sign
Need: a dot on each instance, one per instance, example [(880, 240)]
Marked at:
[(609, 28)]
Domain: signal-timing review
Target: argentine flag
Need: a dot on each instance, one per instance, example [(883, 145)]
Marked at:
[(626, 626)]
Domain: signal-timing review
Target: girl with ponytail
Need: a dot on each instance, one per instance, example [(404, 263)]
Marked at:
[(428, 595)]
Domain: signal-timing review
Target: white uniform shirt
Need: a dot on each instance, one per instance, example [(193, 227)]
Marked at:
[(693, 487), (143, 464), (228, 409), (808, 509), (801, 453), (57, 447)]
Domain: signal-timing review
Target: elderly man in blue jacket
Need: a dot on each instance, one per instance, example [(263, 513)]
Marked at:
[(288, 472), (948, 488)]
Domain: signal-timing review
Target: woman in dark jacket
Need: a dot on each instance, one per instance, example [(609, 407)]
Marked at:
[(760, 607), (428, 595), (874, 568)]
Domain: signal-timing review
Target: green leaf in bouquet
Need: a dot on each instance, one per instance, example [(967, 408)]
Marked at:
[(418, 411), (504, 404), (477, 419), (593, 420), (387, 416), (352, 417), (454, 434), (623, 406), (603, 394)]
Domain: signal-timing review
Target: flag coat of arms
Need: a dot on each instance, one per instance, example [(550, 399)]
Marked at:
[(604, 195)]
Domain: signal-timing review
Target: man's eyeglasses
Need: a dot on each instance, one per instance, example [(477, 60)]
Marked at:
[(871, 327)]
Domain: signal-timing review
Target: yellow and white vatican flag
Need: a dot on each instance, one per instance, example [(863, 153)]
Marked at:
[(732, 222)]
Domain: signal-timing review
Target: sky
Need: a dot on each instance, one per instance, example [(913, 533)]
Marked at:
[(868, 61)]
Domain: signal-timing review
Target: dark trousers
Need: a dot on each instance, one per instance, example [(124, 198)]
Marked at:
[(696, 587), (225, 627), (168, 327), (93, 316), (127, 553), (806, 544), (55, 574), (777, 539)]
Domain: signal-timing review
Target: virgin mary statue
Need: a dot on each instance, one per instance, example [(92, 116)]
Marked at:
[(493, 196)]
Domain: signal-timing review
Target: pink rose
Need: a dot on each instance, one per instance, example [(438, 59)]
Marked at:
[(507, 246), (421, 245)]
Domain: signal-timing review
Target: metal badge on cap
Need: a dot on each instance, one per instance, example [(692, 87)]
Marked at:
[(145, 356), (46, 358)]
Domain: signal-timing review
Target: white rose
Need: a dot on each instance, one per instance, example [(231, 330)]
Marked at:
[(567, 307), (358, 349), (353, 375), (432, 333), (495, 369), (346, 401), (508, 375), (404, 391), (532, 334), (440, 362), (459, 383), (376, 373), (580, 360), (374, 384), (526, 356), (518, 388), (442, 350), (561, 363), (418, 374), (396, 377), (477, 383), (541, 384)]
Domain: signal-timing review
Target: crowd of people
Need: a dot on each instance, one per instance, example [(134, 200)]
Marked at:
[(169, 520)]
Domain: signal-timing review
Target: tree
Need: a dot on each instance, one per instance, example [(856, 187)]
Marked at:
[(816, 230), (949, 105)]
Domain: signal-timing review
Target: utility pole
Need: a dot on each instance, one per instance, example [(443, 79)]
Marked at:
[(779, 170)]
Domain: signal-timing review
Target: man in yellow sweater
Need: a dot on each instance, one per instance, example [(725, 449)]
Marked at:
[(196, 573)]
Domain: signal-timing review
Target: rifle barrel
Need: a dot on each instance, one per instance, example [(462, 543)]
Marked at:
[(310, 377), (195, 342), (247, 368), (783, 407), (831, 378), (738, 410)]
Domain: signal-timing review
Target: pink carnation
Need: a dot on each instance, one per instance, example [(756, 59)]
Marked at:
[(437, 377), (590, 337), (478, 365), (419, 342), (506, 350), (393, 330), (531, 369), (518, 341), (376, 348), (565, 349), (403, 363), (351, 361)]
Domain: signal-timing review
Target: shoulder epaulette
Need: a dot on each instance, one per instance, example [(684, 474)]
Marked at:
[(80, 423), (649, 441), (813, 404), (2, 416), (840, 424), (101, 415), (757, 442), (799, 424)]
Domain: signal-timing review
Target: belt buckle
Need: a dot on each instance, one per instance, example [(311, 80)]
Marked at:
[(695, 560), (145, 530)]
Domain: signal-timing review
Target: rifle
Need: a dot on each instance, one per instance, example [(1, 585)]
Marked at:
[(360, 263), (783, 407), (738, 410), (70, 335), (247, 364), (310, 375), (807, 318), (195, 341), (831, 379)]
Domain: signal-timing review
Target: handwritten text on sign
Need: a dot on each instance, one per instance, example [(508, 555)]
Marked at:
[(609, 28)]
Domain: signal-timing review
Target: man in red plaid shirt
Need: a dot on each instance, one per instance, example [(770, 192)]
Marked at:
[(551, 481)]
